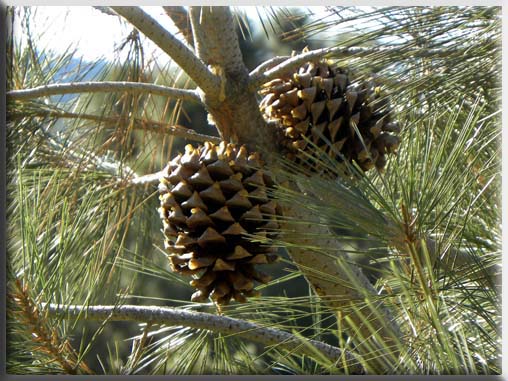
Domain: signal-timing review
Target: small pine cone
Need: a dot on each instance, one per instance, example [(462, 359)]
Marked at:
[(212, 197), (344, 119)]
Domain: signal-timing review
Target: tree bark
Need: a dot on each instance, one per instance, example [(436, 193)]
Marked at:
[(258, 77), (339, 282), (221, 324), (180, 18), (235, 111), (103, 87)]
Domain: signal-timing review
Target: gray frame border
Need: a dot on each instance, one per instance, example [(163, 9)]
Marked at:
[(3, 106), (3, 186)]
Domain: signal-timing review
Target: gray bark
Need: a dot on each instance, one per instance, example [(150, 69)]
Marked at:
[(258, 77), (180, 18), (103, 87), (222, 324), (339, 282), (235, 110)]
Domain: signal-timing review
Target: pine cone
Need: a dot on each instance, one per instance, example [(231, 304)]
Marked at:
[(320, 103), (212, 197)]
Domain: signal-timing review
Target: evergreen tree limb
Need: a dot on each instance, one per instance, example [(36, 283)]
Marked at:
[(151, 178), (142, 124), (103, 87), (235, 111), (177, 50), (268, 64), (257, 77), (342, 286), (200, 320), (215, 38), (450, 258), (71, 155), (180, 18), (197, 36)]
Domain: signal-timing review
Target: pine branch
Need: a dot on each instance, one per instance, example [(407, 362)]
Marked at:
[(200, 320), (143, 124), (180, 18), (340, 283), (257, 77), (71, 155), (235, 110), (268, 64), (103, 87), (293, 63), (450, 258), (151, 178), (380, 224), (122, 174), (215, 38), (181, 54), (199, 37), (105, 10)]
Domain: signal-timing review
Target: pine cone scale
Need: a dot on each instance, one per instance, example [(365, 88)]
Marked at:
[(211, 200), (331, 107)]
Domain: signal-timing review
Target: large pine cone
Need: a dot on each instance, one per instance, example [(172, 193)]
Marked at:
[(320, 103), (212, 197)]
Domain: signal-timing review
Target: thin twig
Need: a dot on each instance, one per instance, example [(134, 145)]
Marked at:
[(215, 323), (257, 77), (74, 155), (146, 179), (103, 87), (144, 124), (198, 35), (124, 174), (451, 259), (172, 46)]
